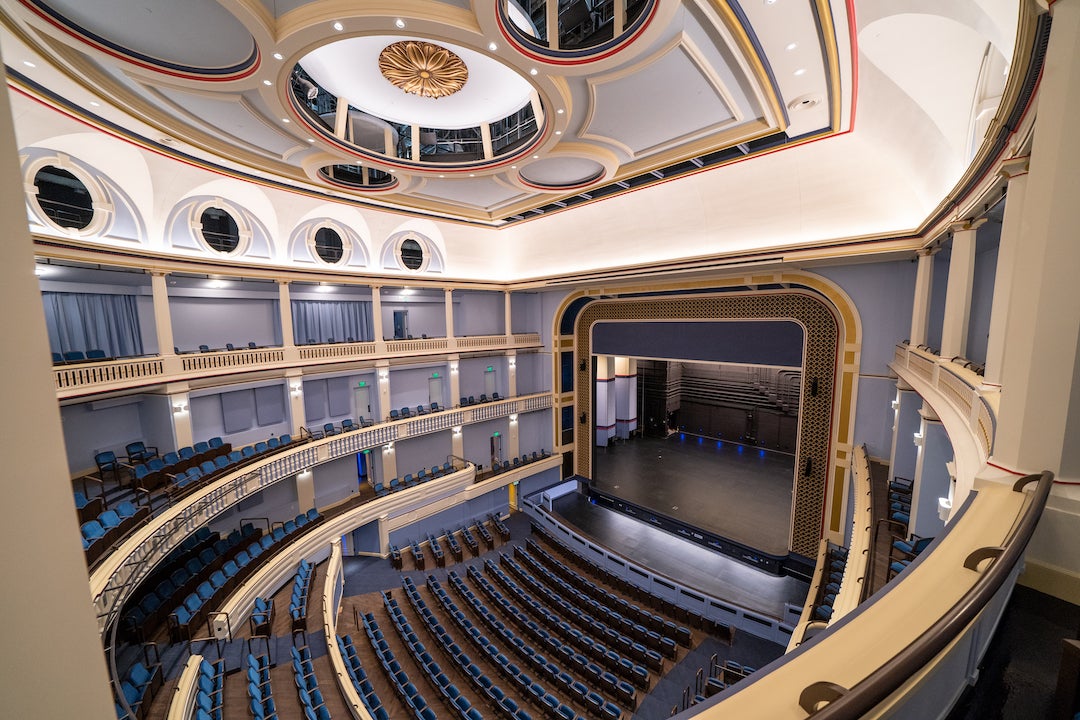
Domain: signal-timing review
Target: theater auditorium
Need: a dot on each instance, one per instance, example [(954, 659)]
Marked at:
[(567, 359)]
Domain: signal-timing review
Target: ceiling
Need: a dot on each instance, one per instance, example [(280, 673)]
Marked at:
[(723, 126)]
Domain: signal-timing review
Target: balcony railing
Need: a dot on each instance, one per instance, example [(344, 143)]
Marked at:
[(109, 375)]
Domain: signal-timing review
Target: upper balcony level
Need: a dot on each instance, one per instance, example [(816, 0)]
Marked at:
[(113, 330)]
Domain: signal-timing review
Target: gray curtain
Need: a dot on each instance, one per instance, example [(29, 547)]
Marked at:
[(320, 320), (87, 321)]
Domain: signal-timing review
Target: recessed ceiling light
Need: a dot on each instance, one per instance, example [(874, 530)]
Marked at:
[(267, 83), (311, 139), (216, 283), (472, 174), (492, 47), (791, 46), (399, 24), (338, 26), (279, 56), (513, 167), (770, 2), (560, 111), (392, 170), (800, 71), (27, 63), (442, 176), (40, 270), (533, 71), (95, 103), (558, 132), (536, 157), (285, 120)]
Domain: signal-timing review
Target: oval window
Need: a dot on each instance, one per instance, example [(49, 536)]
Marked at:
[(328, 245), (411, 254), (63, 198), (219, 230)]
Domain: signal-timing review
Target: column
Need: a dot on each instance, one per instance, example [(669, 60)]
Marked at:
[(506, 314), (449, 302), (485, 138), (605, 399), (513, 444), (1008, 246), (626, 404), (294, 379), (376, 319), (455, 381), (305, 490), (162, 318), (384, 534), (285, 312), (932, 478), (457, 442), (42, 536), (383, 369), (906, 423), (920, 313), (511, 374), (1039, 416), (180, 403), (954, 329), (389, 463)]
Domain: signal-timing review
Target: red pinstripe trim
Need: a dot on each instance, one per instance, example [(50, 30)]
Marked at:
[(549, 60), (1005, 469)]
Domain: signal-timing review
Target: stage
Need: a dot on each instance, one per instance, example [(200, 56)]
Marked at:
[(740, 493)]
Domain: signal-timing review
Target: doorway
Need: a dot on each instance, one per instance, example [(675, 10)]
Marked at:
[(362, 400), (401, 324)]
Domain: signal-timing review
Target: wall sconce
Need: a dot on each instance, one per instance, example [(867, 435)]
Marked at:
[(895, 404), (513, 417), (919, 439), (384, 374), (179, 408), (457, 429), (296, 388), (513, 363), (453, 368), (583, 419), (389, 448), (583, 365), (305, 473)]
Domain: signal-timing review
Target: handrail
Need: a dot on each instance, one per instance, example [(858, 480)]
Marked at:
[(332, 582), (854, 703)]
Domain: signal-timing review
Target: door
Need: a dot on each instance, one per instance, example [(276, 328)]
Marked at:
[(435, 390), (401, 324), (362, 401), (496, 448), (490, 385)]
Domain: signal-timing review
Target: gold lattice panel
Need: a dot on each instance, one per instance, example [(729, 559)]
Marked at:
[(820, 361)]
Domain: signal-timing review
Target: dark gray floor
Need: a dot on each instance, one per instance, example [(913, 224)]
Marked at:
[(737, 492), (697, 567)]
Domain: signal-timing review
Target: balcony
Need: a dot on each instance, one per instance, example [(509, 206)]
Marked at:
[(126, 373)]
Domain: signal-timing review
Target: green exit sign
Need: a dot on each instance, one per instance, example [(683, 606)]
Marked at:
[(490, 369), (362, 383), (497, 434), (434, 374)]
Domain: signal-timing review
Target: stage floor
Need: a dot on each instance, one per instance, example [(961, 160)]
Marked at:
[(691, 564), (740, 493)]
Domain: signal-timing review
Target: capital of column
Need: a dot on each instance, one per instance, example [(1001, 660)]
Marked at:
[(968, 225), (159, 273), (1014, 167)]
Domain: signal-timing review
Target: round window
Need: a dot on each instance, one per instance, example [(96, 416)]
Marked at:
[(411, 254), (219, 230), (63, 198), (328, 245)]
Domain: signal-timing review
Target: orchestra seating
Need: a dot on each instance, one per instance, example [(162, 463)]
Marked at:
[(359, 679)]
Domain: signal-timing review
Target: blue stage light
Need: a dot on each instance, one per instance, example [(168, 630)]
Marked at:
[(740, 448), (761, 453)]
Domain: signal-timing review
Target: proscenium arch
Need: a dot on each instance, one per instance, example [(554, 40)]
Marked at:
[(833, 336)]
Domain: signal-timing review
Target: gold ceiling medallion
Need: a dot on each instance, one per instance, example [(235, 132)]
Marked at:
[(422, 68)]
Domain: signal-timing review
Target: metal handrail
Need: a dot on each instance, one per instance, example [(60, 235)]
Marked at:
[(850, 704)]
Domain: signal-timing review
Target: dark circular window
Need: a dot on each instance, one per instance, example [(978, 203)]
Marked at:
[(63, 198), (328, 245), (412, 255), (219, 230)]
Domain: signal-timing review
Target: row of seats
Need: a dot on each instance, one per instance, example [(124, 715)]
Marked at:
[(359, 678), (261, 619), (260, 694), (206, 348), (410, 480), (139, 687), (298, 601), (211, 690), (406, 413), (833, 576), (397, 676), (147, 468), (88, 508), (580, 580), (184, 471), (347, 425), (78, 356), (590, 697), (108, 461), (597, 624), (434, 543), (307, 686), (460, 704), (614, 660), (651, 638), (471, 400), (516, 462), (482, 682), (500, 526), (109, 527)]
